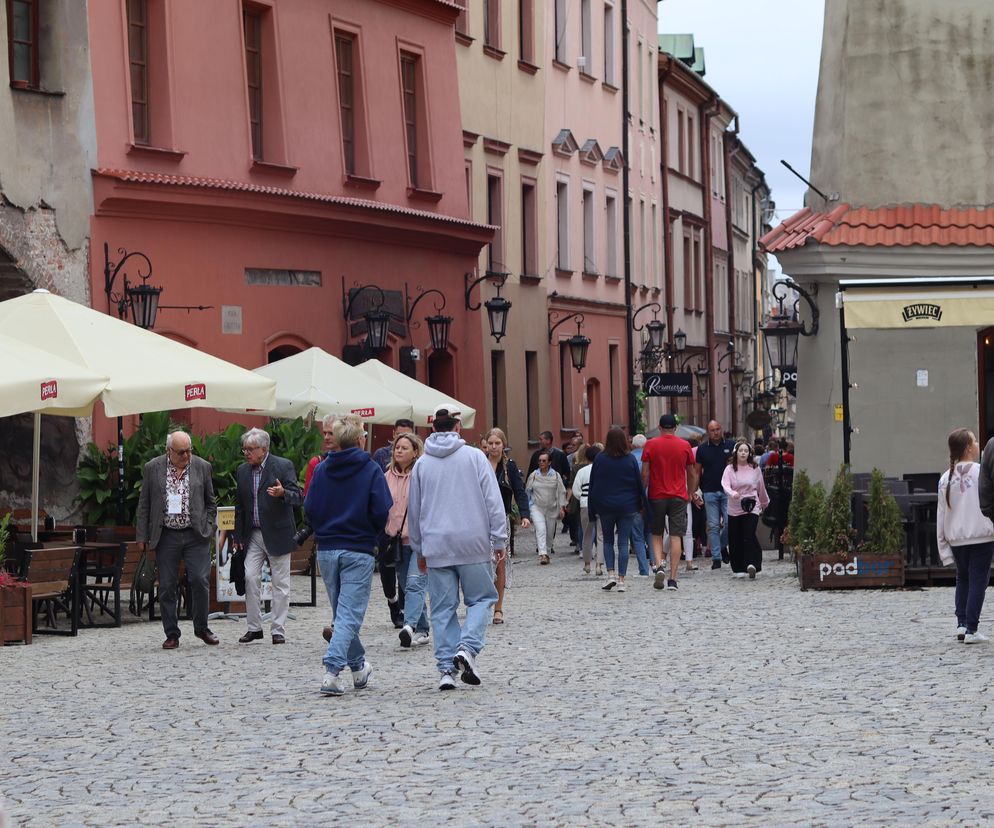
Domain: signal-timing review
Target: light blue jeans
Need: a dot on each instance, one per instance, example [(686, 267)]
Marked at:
[(415, 614), (716, 508), (479, 595), (638, 541), (623, 525), (348, 576)]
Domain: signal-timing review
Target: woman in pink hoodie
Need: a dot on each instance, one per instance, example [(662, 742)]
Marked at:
[(743, 482), (964, 535)]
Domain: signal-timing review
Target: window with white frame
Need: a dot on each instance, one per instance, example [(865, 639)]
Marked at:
[(562, 223), (611, 230), (586, 38), (589, 246), (609, 43)]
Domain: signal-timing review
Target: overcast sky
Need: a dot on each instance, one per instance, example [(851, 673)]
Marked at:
[(762, 57)]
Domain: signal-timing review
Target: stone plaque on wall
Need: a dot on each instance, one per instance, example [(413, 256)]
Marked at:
[(231, 319), (292, 278)]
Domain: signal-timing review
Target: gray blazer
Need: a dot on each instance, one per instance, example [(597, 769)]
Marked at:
[(152, 502), (275, 513)]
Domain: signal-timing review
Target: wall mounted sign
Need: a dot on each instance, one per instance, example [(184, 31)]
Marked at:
[(668, 385)]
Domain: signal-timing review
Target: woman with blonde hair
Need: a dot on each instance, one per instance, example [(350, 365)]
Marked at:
[(964, 535), (511, 488)]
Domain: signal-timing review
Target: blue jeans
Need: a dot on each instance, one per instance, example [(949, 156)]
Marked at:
[(638, 541), (716, 508), (623, 524), (348, 576), (973, 571), (415, 614), (479, 594)]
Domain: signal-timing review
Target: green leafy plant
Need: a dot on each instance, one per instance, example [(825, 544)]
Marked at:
[(296, 441), (640, 398), (835, 532), (4, 537), (885, 532), (793, 535), (96, 486)]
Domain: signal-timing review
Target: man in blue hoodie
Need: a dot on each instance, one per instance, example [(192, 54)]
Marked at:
[(347, 504), (456, 524)]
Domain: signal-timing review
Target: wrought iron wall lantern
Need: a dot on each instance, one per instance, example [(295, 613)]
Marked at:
[(736, 373), (701, 374), (578, 343), (782, 331), (143, 299), (497, 308), (438, 325), (377, 319)]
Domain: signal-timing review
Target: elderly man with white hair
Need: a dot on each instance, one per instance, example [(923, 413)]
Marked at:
[(264, 526)]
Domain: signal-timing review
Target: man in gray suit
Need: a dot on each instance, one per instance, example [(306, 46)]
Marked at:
[(264, 526), (176, 518)]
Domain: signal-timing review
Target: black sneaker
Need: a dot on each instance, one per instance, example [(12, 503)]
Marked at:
[(396, 614), (716, 564), (671, 584), (724, 555)]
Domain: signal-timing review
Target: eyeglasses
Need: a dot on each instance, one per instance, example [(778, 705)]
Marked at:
[(250, 449)]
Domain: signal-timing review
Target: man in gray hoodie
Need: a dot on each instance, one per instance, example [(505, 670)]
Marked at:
[(456, 525)]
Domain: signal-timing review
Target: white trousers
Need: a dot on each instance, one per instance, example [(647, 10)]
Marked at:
[(279, 567), (545, 528), (688, 539)]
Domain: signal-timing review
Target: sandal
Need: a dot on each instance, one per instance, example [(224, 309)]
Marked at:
[(498, 617)]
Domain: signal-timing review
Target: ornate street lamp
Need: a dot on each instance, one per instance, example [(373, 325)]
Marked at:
[(377, 319), (703, 376), (438, 325), (497, 308), (143, 299), (679, 341), (781, 333), (578, 343)]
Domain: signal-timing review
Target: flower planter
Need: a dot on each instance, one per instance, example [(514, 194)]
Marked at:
[(831, 570), (15, 613)]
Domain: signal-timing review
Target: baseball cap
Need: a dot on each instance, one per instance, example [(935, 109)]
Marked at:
[(447, 411), (667, 421)]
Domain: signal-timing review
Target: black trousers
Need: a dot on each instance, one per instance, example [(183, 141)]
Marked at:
[(393, 587), (185, 545), (743, 546)]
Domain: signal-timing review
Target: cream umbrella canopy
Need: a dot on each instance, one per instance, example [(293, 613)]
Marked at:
[(315, 382), (423, 398), (145, 371)]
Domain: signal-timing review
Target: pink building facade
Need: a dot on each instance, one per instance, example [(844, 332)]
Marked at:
[(272, 158)]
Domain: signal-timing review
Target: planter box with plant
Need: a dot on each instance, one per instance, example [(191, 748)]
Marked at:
[(821, 534)]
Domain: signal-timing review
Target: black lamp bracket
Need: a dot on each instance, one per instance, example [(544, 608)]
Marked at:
[(421, 295), (779, 291), (657, 309), (686, 362), (552, 314), (498, 278), (348, 300), (730, 353), (111, 269)]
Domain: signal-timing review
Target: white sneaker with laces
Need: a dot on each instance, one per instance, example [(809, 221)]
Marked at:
[(333, 684), (960, 633), (621, 586), (420, 639), (738, 575), (975, 638), (465, 662), (446, 682), (360, 678), (405, 635), (751, 571)]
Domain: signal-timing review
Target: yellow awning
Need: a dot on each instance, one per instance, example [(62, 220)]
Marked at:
[(919, 308)]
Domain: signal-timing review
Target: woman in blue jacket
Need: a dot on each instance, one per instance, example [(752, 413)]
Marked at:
[(615, 497)]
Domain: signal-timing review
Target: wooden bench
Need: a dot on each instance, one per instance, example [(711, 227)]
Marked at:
[(52, 574), (109, 569), (304, 561)]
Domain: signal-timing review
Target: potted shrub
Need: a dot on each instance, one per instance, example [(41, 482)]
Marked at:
[(15, 597), (829, 558)]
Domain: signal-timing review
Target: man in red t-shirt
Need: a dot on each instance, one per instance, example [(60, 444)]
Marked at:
[(670, 473)]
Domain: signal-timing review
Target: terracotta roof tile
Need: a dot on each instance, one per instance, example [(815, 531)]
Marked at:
[(896, 226), (142, 177)]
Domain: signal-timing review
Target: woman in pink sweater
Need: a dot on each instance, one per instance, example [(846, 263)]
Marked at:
[(743, 482)]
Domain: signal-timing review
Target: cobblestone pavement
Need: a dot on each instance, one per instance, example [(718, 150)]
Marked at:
[(726, 703)]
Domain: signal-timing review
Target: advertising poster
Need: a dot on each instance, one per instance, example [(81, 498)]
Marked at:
[(226, 593)]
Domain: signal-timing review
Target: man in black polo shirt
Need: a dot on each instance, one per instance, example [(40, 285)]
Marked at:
[(712, 457)]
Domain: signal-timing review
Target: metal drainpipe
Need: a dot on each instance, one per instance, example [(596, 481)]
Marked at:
[(727, 139), (705, 112), (756, 228), (626, 221), (664, 163)]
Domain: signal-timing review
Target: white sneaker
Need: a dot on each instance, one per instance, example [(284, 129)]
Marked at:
[(405, 635), (360, 678), (960, 633), (751, 571), (333, 684), (611, 582), (975, 638), (446, 682), (621, 586), (738, 575), (465, 662), (420, 639)]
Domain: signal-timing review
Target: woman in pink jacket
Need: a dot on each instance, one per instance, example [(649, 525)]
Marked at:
[(743, 482)]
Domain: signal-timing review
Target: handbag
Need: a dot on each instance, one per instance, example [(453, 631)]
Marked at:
[(236, 570), (144, 579), (573, 507), (394, 552), (748, 504)]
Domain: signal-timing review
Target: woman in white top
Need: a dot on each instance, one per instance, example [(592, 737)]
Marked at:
[(581, 487), (964, 535), (742, 481), (548, 494)]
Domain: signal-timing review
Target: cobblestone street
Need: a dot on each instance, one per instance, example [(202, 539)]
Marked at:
[(726, 703)]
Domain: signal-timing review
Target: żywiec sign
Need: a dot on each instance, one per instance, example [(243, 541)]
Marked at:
[(668, 385), (921, 310)]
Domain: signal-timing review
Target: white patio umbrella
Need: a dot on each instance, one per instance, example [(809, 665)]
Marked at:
[(423, 398), (145, 371), (315, 382)]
